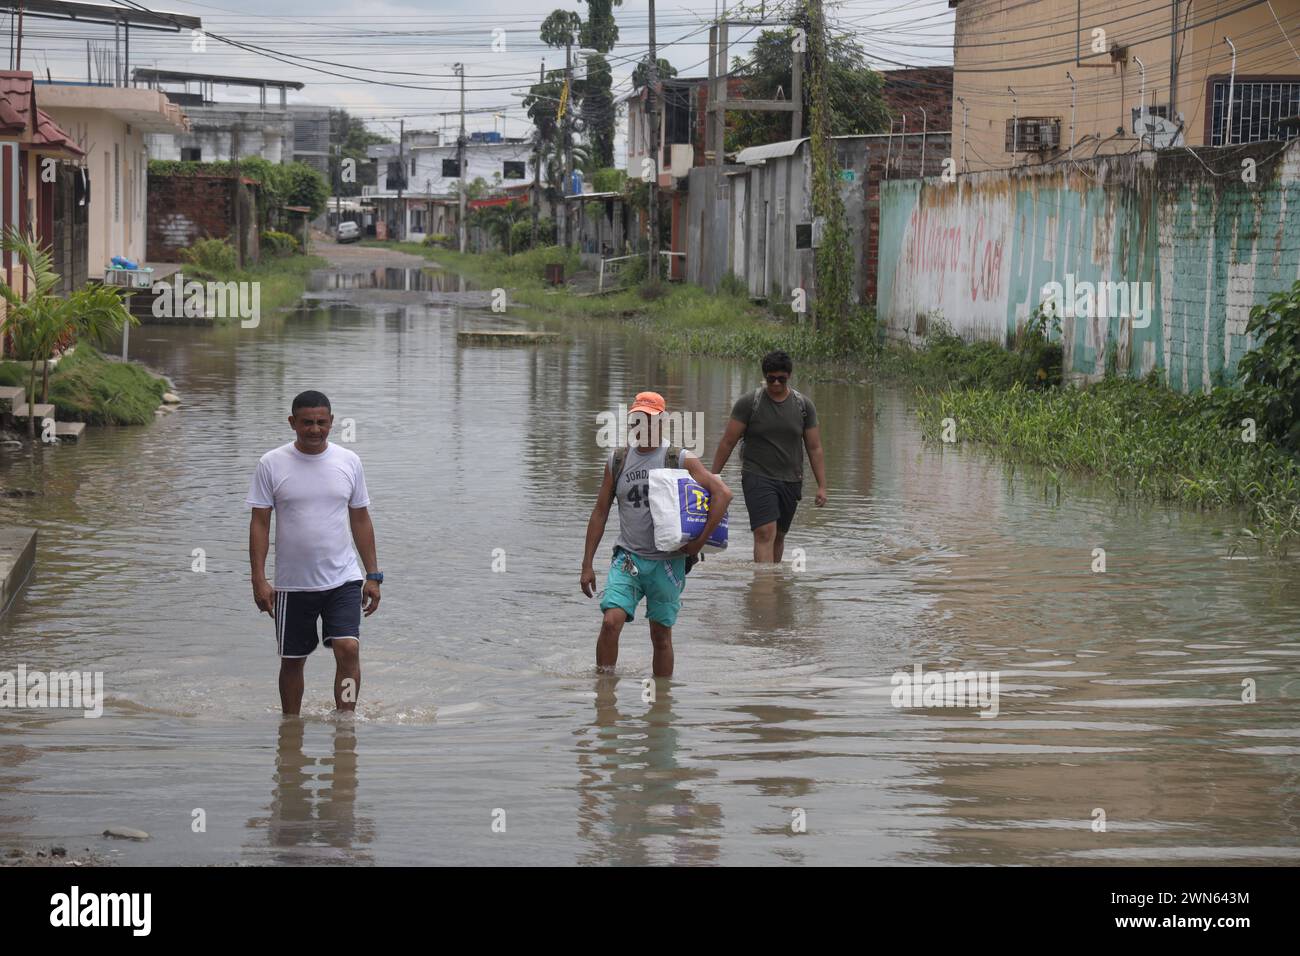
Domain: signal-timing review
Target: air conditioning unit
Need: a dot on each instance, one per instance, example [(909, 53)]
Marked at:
[(1030, 134)]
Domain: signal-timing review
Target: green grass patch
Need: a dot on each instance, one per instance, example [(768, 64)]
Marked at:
[(87, 387), (283, 279)]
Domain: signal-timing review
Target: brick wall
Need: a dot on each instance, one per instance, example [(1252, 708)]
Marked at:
[(184, 209)]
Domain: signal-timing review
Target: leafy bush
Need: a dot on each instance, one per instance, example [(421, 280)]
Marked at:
[(521, 235), (437, 240), (214, 256), (608, 180), (1268, 376), (276, 243)]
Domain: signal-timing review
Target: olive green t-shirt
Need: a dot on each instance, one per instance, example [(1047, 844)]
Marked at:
[(772, 445)]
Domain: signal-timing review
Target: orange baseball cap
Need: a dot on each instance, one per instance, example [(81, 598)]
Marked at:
[(651, 402)]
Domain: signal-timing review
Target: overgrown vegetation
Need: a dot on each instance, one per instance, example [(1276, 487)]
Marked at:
[(683, 318), (275, 243), (280, 184), (87, 387), (1234, 447), (282, 279)]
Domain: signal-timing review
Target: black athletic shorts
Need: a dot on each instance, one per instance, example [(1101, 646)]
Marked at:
[(768, 500), (296, 612)]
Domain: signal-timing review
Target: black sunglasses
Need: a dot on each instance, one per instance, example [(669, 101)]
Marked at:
[(777, 379)]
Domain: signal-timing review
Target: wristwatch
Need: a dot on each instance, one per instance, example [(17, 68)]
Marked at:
[(377, 577)]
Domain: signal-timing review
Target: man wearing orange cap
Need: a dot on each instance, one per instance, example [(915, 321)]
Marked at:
[(639, 569)]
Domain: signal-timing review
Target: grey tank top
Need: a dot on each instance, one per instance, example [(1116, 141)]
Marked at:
[(636, 530)]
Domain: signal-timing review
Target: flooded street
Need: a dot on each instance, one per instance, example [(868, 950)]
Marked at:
[(1120, 691)]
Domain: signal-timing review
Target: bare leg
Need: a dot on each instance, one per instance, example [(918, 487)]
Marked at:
[(764, 539), (778, 547), (607, 643), (347, 667), (291, 682), (662, 639)]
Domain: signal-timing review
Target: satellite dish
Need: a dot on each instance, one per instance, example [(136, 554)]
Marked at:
[(1157, 131)]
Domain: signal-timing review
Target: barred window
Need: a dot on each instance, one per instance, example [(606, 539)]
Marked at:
[(1256, 110)]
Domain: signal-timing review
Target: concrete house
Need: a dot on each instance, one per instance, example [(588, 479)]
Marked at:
[(38, 161), (110, 125), (430, 180), (1073, 79)]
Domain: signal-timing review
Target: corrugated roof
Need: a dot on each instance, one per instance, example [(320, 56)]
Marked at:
[(757, 155)]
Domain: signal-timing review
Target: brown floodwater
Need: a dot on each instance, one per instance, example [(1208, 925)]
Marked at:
[(1119, 691)]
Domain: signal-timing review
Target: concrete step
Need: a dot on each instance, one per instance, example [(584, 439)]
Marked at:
[(69, 431), (42, 411), (9, 395)]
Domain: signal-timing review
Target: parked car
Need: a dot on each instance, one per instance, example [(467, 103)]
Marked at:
[(348, 232)]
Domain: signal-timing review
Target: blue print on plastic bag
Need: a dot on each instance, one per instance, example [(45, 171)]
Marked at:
[(693, 506)]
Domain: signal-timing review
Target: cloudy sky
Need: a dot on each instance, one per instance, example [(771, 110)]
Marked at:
[(389, 60)]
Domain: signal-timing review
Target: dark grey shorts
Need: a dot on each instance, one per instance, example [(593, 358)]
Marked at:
[(768, 500), (296, 614)]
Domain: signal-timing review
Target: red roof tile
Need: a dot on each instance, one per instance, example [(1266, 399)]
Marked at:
[(50, 134)]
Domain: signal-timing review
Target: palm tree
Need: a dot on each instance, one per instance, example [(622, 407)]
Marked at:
[(40, 319)]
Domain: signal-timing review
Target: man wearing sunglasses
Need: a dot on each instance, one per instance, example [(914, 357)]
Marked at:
[(776, 424)]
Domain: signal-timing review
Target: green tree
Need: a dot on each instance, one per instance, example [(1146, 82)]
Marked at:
[(350, 139), (853, 90), (40, 319), (641, 72)]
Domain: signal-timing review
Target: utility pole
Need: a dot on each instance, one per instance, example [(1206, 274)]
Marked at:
[(652, 107), (460, 162), (537, 162), (566, 138), (401, 179)]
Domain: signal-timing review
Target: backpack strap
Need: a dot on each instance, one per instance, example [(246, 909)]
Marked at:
[(672, 458), (620, 460), (803, 408)]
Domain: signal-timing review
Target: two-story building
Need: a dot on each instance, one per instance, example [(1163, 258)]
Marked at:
[(427, 174), (1045, 80)]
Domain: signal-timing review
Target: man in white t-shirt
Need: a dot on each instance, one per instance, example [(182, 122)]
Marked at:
[(318, 493)]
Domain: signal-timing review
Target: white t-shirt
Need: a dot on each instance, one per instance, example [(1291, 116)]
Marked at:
[(311, 495)]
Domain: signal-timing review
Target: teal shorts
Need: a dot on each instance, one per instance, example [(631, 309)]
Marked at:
[(659, 582)]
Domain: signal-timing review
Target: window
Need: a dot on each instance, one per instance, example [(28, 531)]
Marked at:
[(417, 220), (450, 169), (191, 154), (513, 170), (1257, 109), (412, 165)]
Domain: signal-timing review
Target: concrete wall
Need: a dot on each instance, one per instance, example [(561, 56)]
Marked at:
[(228, 132), (743, 221), (979, 251), (183, 209)]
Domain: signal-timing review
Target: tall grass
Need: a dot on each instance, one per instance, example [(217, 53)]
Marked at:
[(1148, 441)]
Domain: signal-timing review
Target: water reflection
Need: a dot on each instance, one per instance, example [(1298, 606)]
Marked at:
[(313, 799), (637, 803)]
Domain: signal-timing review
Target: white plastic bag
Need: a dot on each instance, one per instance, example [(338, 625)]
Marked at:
[(679, 508)]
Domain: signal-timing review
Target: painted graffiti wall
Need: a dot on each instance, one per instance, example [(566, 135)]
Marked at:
[(1150, 260)]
